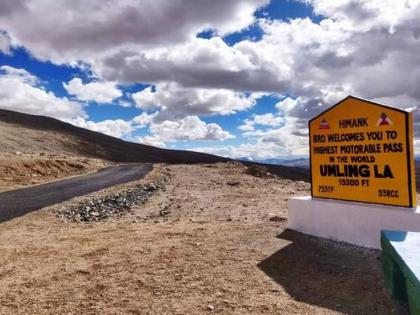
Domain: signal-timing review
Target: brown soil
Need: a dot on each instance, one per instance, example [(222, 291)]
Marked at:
[(204, 245), (22, 169)]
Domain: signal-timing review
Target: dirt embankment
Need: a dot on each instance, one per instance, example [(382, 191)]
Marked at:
[(213, 240), (22, 169), (32, 156)]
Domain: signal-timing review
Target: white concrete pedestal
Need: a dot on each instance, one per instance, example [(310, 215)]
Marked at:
[(350, 222)]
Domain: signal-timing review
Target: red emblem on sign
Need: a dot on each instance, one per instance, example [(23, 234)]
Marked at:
[(324, 125), (384, 120)]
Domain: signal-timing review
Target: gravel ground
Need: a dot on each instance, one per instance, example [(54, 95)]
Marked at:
[(213, 240), (112, 205)]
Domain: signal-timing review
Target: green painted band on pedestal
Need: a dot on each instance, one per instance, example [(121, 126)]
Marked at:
[(401, 266)]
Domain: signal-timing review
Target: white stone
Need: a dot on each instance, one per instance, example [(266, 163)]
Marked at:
[(351, 222)]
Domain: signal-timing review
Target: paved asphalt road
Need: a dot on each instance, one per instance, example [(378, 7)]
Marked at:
[(21, 201)]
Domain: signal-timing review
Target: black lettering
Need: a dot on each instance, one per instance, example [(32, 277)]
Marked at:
[(318, 138), (346, 137), (393, 147), (353, 123), (361, 149), (323, 170), (364, 170), (387, 193), (353, 171), (387, 173), (325, 150), (344, 170), (375, 135), (362, 159), (332, 170)]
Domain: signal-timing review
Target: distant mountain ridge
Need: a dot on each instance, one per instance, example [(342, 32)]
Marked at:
[(298, 162), (303, 162)]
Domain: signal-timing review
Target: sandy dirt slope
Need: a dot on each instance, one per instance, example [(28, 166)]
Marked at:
[(33, 156), (24, 169), (203, 245)]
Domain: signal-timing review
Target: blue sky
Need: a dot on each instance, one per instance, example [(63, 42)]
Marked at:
[(238, 79)]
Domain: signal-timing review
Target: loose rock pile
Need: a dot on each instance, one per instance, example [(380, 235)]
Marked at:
[(114, 205)]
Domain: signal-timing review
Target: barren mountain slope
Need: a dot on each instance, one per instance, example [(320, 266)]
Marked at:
[(36, 149), (32, 133)]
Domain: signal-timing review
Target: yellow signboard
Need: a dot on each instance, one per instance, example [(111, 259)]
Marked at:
[(363, 151)]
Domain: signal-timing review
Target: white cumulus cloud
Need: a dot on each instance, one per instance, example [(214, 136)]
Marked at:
[(188, 128), (100, 92), (175, 102), (265, 144), (268, 119), (143, 120), (117, 128), (69, 31), (20, 91)]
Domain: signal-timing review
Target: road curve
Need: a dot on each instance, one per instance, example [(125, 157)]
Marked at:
[(18, 202)]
